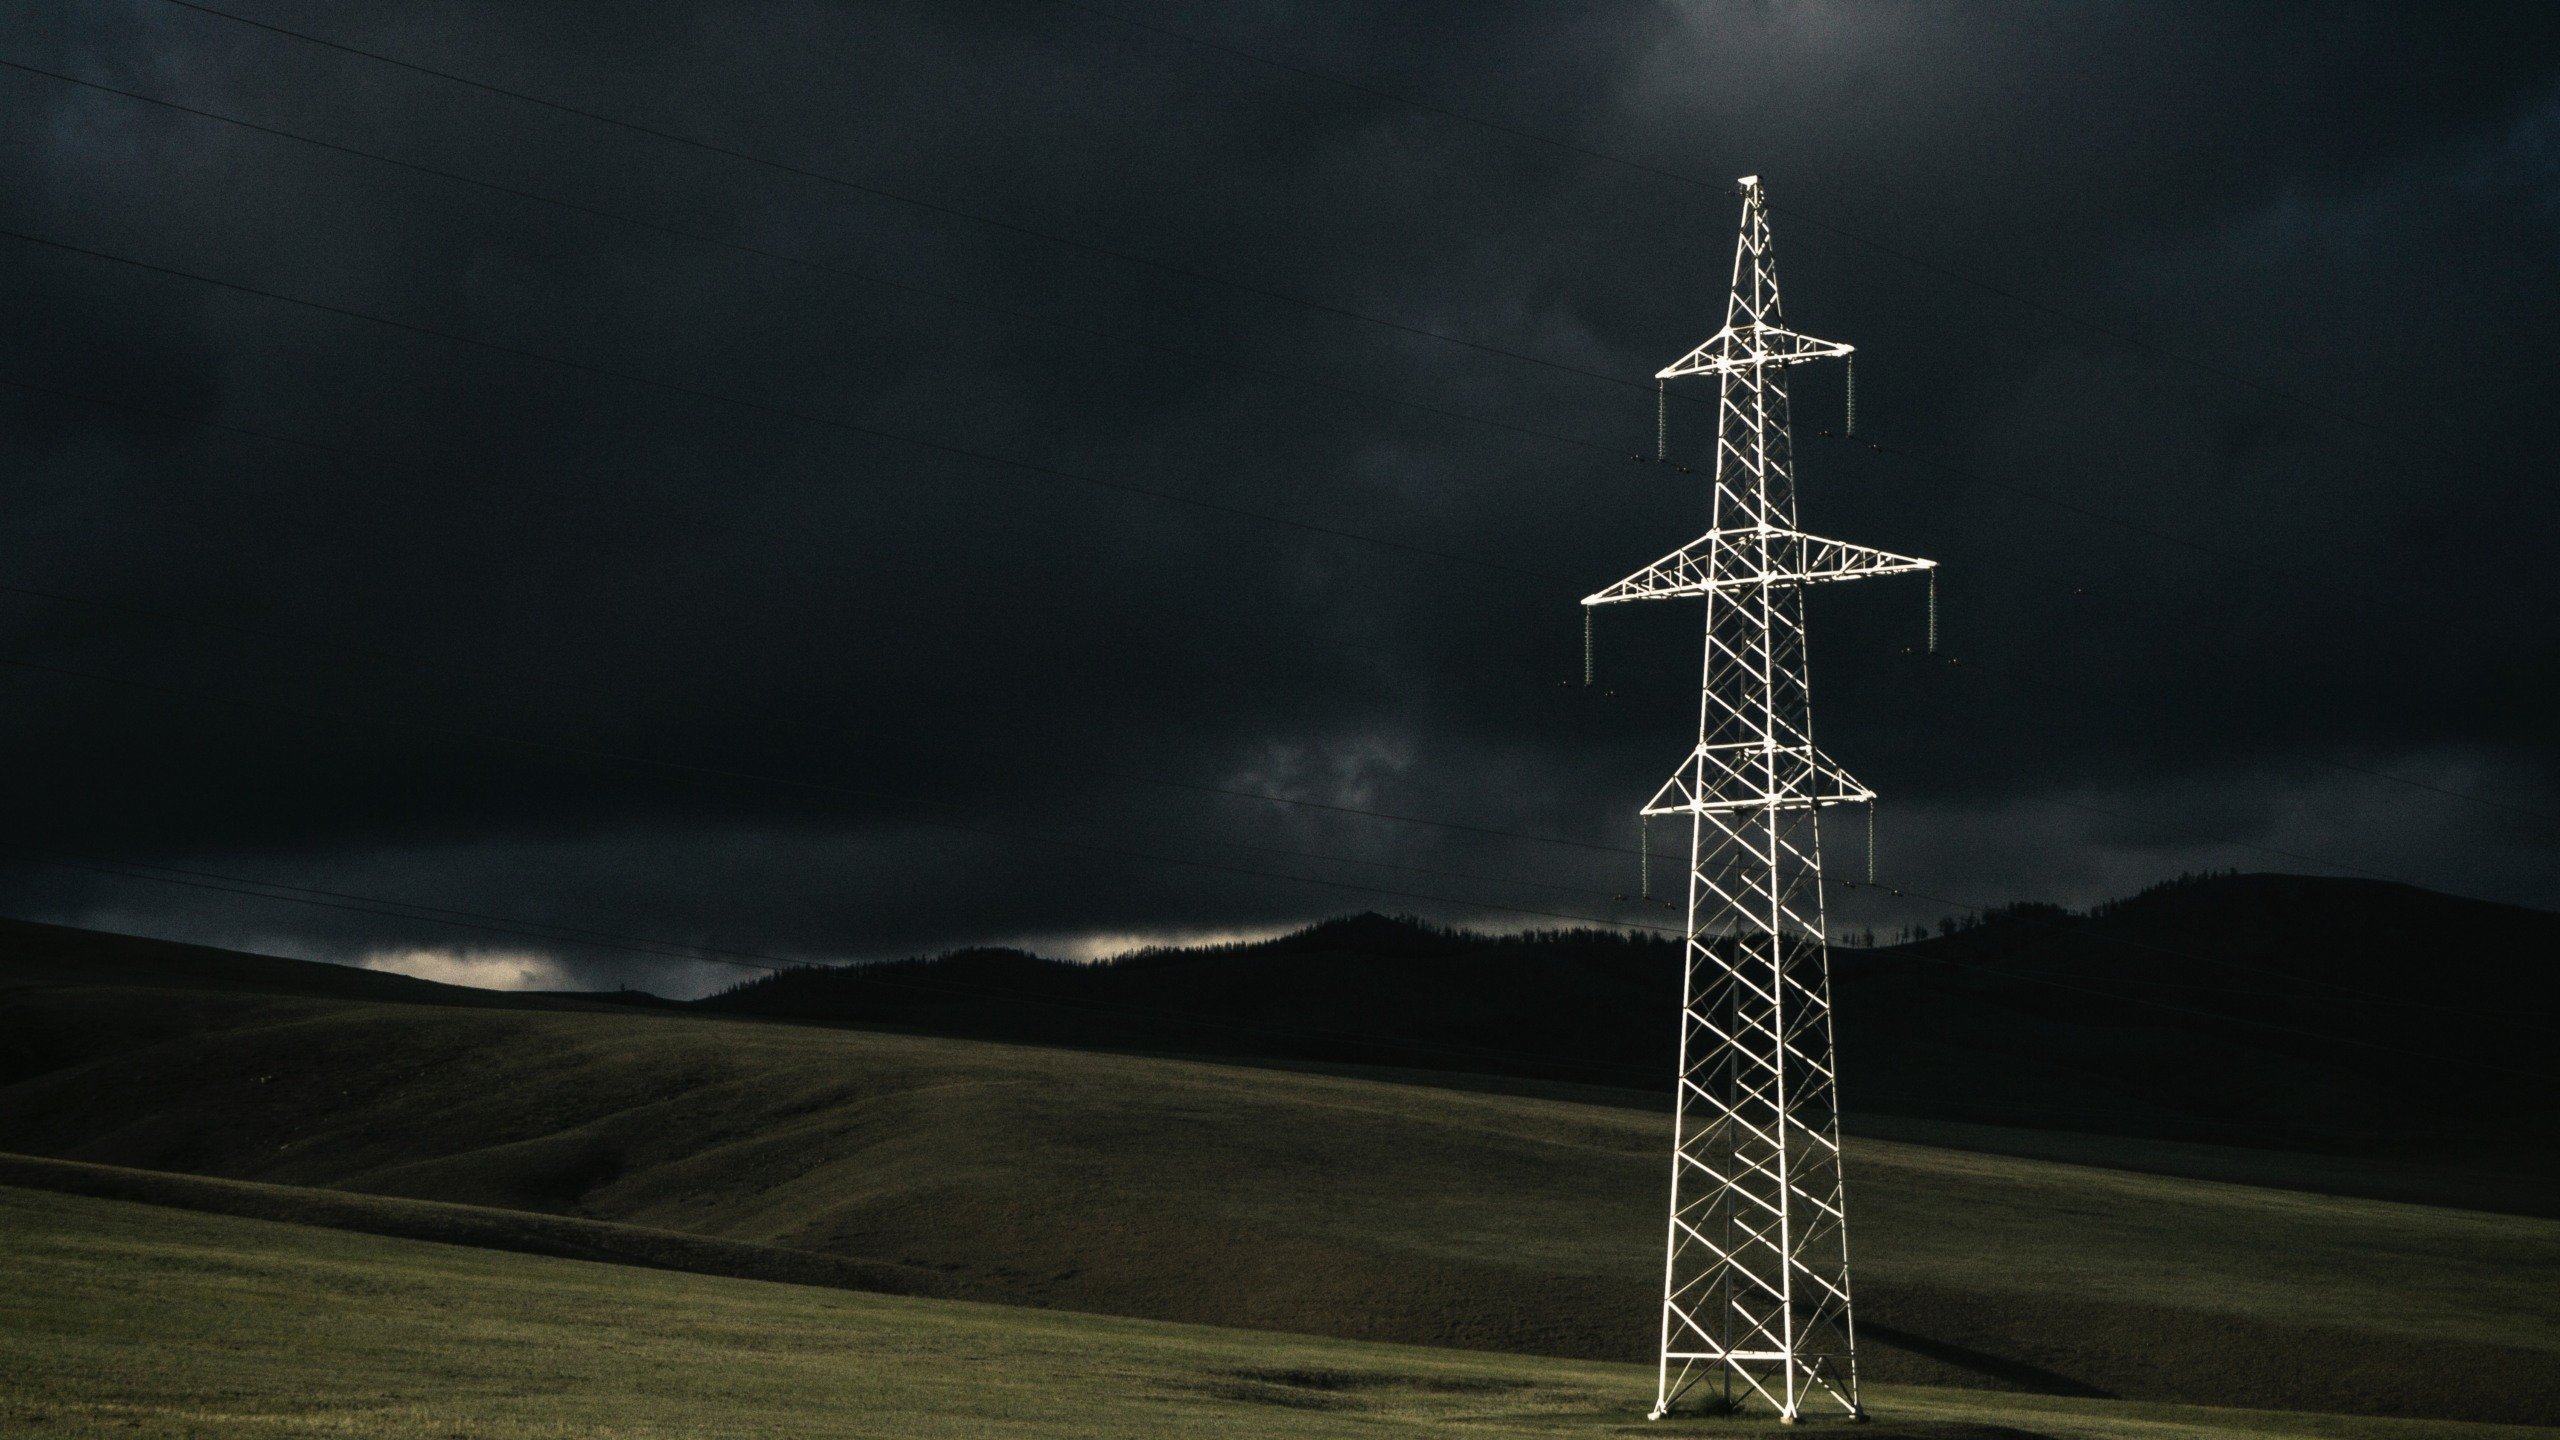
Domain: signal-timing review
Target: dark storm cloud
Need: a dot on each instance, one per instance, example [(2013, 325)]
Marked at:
[(502, 571)]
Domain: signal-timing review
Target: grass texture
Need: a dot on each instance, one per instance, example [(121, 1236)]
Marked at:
[(1280, 1200), (123, 1319)]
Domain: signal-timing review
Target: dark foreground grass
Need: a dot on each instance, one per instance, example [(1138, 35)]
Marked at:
[(123, 1319), (1277, 1200)]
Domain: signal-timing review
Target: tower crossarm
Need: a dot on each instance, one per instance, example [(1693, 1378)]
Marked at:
[(1737, 348), (1731, 560), (1752, 776)]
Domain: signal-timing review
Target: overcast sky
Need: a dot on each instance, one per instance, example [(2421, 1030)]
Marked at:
[(615, 554)]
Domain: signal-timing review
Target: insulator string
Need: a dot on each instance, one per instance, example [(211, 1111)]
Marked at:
[(1871, 841)]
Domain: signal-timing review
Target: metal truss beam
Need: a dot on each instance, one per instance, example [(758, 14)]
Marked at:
[(1739, 347), (1740, 560)]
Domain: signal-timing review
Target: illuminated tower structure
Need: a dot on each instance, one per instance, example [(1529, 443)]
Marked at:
[(1756, 1271)]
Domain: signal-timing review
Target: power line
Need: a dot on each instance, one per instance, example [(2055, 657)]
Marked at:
[(784, 412), (808, 174), (1202, 788), (1955, 662), (733, 773), (2278, 852), (883, 193), (514, 498), (2191, 834), (1952, 662), (518, 677), (2543, 815), (1197, 357), (2069, 507), (515, 677), (1959, 473), (1104, 482), (1317, 805), (801, 538), (40, 240), (727, 773), (1863, 440), (690, 951), (1797, 212), (1156, 781), (1193, 356), (550, 677)]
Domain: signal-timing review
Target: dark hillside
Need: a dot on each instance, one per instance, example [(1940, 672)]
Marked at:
[(37, 957), (1366, 989), (2252, 1010), (2248, 1009), (2301, 1009), (1248, 1197), (35, 954)]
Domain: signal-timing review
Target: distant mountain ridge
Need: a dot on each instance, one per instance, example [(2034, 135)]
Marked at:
[(2258, 1009), (1459, 1206), (2276, 1011)]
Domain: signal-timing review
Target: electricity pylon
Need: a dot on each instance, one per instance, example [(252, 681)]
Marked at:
[(1756, 1271)]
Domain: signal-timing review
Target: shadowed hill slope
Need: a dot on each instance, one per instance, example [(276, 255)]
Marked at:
[(1271, 1198), (2247, 1009), (37, 958), (2252, 1010), (38, 954)]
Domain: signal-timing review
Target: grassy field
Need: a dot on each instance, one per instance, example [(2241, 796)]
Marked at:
[(122, 1319), (1284, 1200)]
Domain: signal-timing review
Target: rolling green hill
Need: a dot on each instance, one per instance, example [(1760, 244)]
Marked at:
[(124, 1319), (1280, 1199)]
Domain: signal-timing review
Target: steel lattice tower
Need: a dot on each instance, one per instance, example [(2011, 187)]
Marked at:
[(1756, 1274)]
